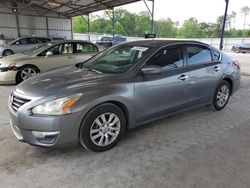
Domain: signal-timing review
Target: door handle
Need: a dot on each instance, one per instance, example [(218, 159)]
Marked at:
[(216, 69), (183, 77)]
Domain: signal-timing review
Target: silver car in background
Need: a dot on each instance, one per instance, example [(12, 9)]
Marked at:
[(21, 45), (18, 67), (94, 102)]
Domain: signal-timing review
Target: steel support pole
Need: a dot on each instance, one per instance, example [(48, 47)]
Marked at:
[(47, 26), (152, 17), (88, 29), (18, 26), (224, 25), (113, 26), (151, 12)]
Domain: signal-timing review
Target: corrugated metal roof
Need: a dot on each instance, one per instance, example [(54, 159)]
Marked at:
[(72, 8)]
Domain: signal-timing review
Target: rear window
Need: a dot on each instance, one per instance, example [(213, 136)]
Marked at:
[(198, 55), (216, 55)]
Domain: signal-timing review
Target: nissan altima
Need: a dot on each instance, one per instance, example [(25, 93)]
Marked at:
[(93, 103)]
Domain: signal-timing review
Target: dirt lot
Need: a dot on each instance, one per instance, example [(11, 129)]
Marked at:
[(199, 148)]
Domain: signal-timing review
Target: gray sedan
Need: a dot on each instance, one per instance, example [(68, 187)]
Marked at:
[(93, 103)]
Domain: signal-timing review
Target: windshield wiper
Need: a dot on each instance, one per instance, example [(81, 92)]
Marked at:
[(81, 66)]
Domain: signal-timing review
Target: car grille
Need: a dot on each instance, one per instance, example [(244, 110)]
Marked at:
[(16, 102)]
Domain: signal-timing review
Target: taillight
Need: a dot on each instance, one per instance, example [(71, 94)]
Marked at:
[(237, 64)]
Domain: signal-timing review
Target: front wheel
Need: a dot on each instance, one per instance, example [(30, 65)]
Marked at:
[(102, 127), (26, 72), (221, 96)]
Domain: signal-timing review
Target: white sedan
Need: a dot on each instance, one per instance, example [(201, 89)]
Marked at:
[(18, 67)]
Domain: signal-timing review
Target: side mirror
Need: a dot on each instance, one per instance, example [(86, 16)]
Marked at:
[(152, 69), (17, 43), (48, 53)]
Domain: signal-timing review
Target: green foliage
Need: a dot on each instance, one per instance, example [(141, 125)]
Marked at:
[(130, 24), (79, 25), (191, 29), (165, 28)]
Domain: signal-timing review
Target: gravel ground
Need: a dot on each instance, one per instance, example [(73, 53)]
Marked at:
[(199, 148)]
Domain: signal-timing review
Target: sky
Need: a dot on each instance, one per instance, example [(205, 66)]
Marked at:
[(202, 10)]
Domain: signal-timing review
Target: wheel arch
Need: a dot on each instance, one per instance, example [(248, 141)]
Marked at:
[(28, 65), (19, 67), (124, 108), (230, 82), (8, 50), (120, 104)]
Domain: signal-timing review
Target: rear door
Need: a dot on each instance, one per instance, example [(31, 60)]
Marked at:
[(62, 55), (158, 94), (205, 70), (84, 51)]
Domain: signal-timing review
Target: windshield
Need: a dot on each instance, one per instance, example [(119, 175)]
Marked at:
[(118, 59), (38, 48)]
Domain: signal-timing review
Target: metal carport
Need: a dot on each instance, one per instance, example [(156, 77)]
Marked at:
[(53, 17), (47, 17)]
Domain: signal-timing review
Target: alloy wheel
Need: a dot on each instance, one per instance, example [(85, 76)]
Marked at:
[(28, 72), (105, 129), (222, 96)]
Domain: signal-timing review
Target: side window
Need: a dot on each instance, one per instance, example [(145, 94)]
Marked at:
[(42, 40), (33, 40), (60, 49), (67, 48), (168, 58), (198, 55), (23, 41), (85, 48)]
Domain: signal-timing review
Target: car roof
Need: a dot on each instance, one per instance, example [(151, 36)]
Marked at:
[(163, 42), (65, 41), (24, 37)]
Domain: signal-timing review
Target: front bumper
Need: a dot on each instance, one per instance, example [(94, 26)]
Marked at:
[(46, 131), (8, 77)]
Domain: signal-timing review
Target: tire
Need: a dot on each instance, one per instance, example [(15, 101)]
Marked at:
[(221, 96), (7, 52), (98, 134), (26, 72)]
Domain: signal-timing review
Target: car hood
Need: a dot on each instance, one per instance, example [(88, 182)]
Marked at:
[(15, 58), (63, 80)]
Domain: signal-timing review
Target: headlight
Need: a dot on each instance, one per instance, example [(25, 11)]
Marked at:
[(59, 106)]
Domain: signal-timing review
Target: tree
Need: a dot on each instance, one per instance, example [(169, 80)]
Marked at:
[(126, 21), (191, 29), (79, 25), (131, 24), (208, 28), (233, 16), (142, 23), (245, 10), (165, 28)]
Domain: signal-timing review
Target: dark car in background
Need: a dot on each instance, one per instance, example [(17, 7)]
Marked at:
[(93, 103), (108, 41), (243, 48), (23, 44)]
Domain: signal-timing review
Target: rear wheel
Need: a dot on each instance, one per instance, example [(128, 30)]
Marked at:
[(102, 127), (7, 52), (26, 72), (221, 96)]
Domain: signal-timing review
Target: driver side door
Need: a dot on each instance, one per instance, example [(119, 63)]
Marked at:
[(158, 94)]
